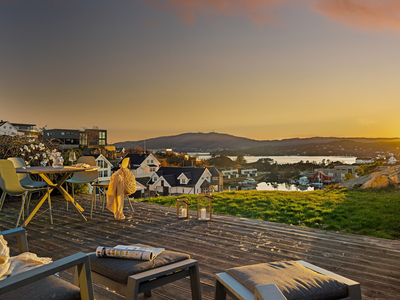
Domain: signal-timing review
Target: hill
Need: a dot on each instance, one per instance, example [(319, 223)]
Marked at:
[(218, 142)]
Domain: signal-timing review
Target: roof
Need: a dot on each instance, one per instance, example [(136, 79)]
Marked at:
[(135, 159), (214, 171), (171, 174)]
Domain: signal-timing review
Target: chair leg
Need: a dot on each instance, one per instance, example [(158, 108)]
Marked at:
[(22, 208), (220, 293), (93, 201), (147, 294), (2, 199), (129, 200), (195, 282), (27, 204), (50, 209), (104, 197)]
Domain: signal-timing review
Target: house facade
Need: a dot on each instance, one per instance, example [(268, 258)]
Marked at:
[(181, 180), (105, 166), (68, 137), (6, 128), (142, 164), (230, 173), (338, 172), (217, 179), (391, 160)]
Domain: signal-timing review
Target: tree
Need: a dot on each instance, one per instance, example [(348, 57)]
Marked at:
[(369, 168), (240, 160), (348, 176)]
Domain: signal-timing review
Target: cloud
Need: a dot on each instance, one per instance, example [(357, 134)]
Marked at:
[(259, 11), (377, 15)]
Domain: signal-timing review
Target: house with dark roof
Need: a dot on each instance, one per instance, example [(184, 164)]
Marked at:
[(142, 164), (217, 179), (181, 180)]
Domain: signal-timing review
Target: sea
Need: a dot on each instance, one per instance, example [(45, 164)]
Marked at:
[(288, 159)]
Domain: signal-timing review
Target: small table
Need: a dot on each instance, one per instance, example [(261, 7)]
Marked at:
[(42, 172)]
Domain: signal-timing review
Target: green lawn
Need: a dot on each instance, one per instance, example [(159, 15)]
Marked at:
[(372, 213)]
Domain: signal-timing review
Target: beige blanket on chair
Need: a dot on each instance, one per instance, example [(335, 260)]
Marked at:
[(10, 266), (115, 195)]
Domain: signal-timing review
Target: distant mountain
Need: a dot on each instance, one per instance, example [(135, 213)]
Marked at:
[(213, 142), (194, 142)]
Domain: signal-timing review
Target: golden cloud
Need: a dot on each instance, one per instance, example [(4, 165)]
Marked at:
[(366, 14), (188, 10)]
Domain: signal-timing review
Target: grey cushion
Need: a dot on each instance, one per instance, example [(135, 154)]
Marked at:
[(295, 281), (48, 288), (119, 269)]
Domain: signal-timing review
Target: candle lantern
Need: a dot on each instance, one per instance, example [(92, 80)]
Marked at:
[(182, 208), (204, 207)]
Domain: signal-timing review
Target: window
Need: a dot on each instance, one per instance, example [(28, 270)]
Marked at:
[(62, 133), (183, 181), (105, 173), (102, 142)]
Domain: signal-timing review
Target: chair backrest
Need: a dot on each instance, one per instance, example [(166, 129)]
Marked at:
[(125, 162), (90, 160), (86, 176), (9, 181), (19, 163)]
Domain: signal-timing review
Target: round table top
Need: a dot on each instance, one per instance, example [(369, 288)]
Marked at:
[(50, 169)]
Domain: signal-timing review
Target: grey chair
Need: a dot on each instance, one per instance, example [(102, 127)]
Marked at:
[(11, 185), (84, 177), (24, 178), (284, 280), (40, 283)]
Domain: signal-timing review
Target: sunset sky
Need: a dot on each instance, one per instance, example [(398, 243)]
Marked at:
[(262, 69)]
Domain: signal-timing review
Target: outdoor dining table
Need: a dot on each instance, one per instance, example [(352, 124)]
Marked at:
[(43, 172)]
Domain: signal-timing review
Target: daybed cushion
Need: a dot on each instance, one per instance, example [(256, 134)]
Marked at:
[(119, 269), (48, 288), (295, 281)]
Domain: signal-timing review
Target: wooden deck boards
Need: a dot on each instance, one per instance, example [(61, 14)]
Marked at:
[(222, 243)]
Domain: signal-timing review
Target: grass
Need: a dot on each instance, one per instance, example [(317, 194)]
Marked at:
[(373, 213)]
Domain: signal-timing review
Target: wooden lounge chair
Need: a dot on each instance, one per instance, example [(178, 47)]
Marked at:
[(284, 280), (40, 283), (130, 277)]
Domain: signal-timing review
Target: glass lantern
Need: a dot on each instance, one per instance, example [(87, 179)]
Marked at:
[(204, 207), (182, 208)]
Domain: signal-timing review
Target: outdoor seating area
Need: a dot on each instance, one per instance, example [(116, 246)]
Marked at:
[(215, 246)]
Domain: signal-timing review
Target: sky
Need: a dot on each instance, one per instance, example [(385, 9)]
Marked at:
[(261, 69)]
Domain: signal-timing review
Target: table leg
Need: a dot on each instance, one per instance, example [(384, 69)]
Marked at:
[(65, 194), (34, 211)]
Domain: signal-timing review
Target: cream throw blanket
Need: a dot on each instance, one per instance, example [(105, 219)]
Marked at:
[(115, 195), (10, 266)]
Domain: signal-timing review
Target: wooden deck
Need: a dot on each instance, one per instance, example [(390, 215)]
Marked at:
[(220, 244)]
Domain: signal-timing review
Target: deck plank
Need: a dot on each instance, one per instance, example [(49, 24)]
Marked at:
[(223, 243)]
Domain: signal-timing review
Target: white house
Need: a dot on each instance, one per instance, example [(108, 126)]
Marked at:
[(105, 171), (6, 128), (143, 164), (248, 172), (181, 180), (391, 160), (230, 173)]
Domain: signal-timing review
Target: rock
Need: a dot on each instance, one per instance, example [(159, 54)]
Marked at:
[(380, 179)]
